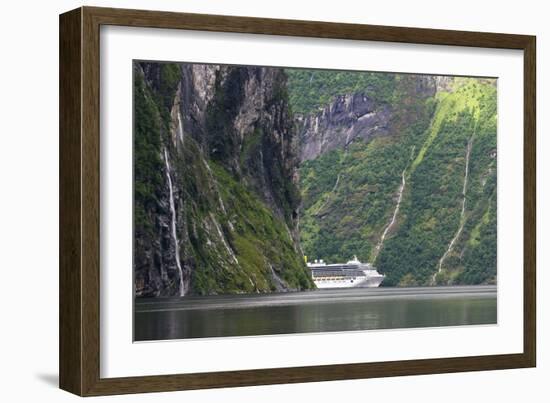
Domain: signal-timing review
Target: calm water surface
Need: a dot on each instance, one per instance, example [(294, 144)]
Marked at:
[(313, 311)]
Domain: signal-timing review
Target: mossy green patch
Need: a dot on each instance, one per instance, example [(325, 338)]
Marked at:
[(259, 241)]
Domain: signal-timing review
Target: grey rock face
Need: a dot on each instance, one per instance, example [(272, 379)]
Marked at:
[(443, 83), (240, 118), (349, 117)]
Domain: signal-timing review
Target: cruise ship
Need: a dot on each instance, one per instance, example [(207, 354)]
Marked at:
[(344, 275)]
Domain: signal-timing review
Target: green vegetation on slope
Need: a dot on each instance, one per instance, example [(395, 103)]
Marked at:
[(311, 89), (260, 240), (349, 219), (236, 243), (147, 162), (431, 212), (345, 220)]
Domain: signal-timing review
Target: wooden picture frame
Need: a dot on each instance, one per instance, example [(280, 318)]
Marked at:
[(79, 346)]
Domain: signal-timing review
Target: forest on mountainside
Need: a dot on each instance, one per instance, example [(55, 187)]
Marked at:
[(350, 194)]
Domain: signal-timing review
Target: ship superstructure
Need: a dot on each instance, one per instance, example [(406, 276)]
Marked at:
[(344, 275)]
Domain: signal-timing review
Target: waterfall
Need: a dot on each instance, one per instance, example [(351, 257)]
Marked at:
[(335, 187), (394, 217), (180, 127), (378, 247), (329, 195), (462, 212), (173, 223), (222, 238)]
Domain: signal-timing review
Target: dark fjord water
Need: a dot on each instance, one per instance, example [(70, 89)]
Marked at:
[(313, 311)]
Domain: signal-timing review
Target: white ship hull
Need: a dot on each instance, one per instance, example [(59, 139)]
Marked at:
[(352, 274), (361, 282)]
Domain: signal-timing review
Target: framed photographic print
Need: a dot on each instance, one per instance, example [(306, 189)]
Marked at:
[(250, 201)]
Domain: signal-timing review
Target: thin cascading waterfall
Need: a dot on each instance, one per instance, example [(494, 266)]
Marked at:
[(462, 211), (173, 224), (180, 127), (400, 192), (176, 129), (335, 187), (394, 217)]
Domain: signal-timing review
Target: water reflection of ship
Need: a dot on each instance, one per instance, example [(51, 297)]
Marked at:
[(344, 275)]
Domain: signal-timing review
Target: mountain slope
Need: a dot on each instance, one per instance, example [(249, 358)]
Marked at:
[(452, 188), (395, 196), (348, 191)]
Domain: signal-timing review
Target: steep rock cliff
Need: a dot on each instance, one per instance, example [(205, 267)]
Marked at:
[(215, 166)]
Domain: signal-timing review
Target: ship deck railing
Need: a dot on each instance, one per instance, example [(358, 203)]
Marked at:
[(337, 273)]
